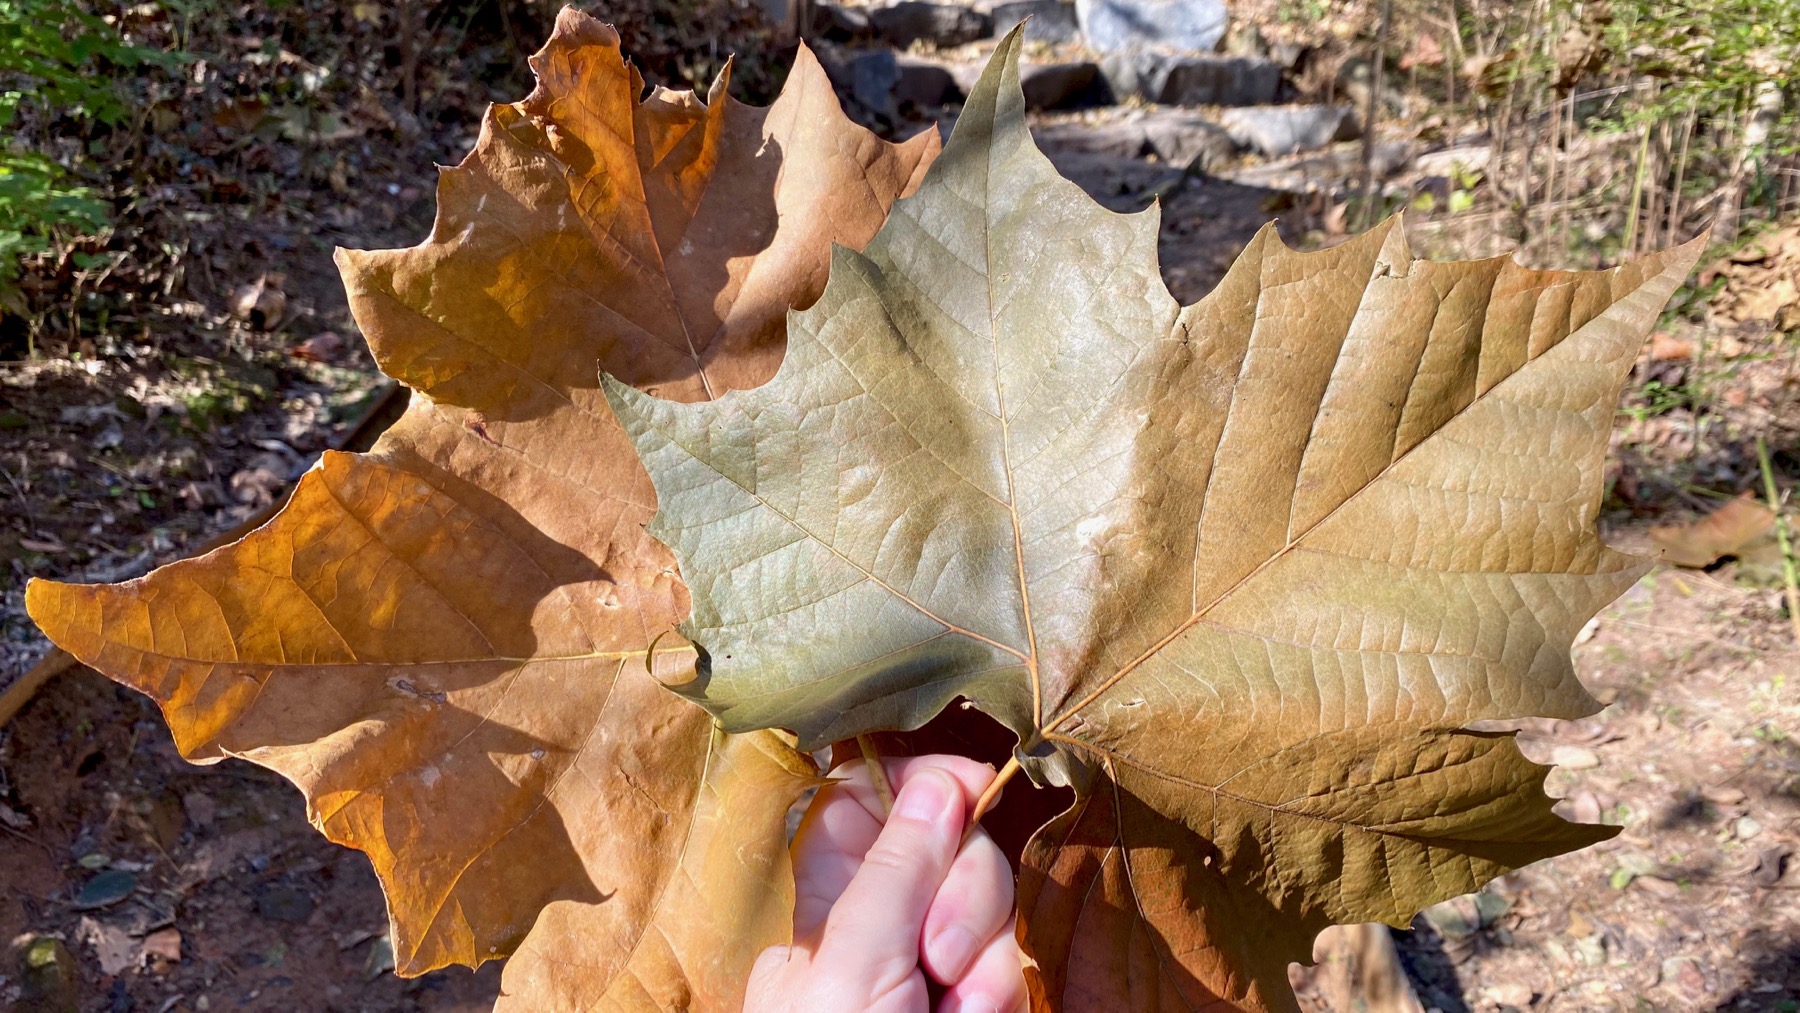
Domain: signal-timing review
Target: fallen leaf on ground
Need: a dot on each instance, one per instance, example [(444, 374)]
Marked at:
[(1762, 281), (1771, 863), (1666, 347), (1727, 531), (1241, 573), (163, 944), (443, 642), (113, 947), (261, 304), (324, 346)]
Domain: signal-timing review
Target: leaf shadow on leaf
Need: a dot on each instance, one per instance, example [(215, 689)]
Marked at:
[(536, 378), (386, 750)]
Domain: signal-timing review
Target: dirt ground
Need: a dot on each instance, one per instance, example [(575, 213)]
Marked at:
[(174, 888)]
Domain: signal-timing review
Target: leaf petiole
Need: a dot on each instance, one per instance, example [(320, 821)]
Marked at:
[(884, 788), (990, 796)]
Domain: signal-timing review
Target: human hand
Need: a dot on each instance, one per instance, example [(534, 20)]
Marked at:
[(880, 908)]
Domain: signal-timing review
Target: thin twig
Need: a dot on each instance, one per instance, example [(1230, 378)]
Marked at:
[(26, 686), (1372, 110), (1781, 536), (1637, 190), (884, 789), (990, 796)]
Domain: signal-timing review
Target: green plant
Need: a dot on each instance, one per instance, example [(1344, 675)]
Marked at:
[(57, 69), (1657, 398)]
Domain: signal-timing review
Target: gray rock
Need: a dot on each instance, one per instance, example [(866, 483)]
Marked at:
[(1322, 171), (1186, 139), (1063, 86), (1178, 139), (1275, 131), (1113, 140), (1073, 85), (1052, 21), (1117, 25), (865, 78), (925, 85), (910, 21), (832, 23), (1192, 80)]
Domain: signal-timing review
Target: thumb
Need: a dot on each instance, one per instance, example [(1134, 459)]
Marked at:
[(765, 984), (873, 930)]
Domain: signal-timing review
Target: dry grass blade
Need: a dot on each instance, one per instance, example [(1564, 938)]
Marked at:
[(1790, 578)]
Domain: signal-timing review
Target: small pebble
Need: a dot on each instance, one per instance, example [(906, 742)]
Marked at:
[(1513, 993), (1722, 795), (1747, 827), (1574, 758), (285, 904)]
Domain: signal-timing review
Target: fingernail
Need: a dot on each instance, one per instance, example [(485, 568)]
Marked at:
[(925, 798), (951, 950), (977, 1004)]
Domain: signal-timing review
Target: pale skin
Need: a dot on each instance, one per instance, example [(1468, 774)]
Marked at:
[(885, 904)]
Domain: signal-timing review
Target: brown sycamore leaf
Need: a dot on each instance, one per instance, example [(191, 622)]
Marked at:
[(1727, 531), (1243, 573), (443, 642)]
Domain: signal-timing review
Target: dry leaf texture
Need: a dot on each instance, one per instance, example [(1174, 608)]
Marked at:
[(443, 642), (1241, 571)]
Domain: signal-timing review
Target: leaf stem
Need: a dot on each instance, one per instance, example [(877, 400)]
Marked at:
[(884, 788), (1788, 573), (990, 796)]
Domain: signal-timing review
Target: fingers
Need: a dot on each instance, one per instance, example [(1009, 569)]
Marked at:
[(995, 982), (872, 932), (971, 907), (843, 822), (972, 775), (787, 980), (875, 890), (767, 980)]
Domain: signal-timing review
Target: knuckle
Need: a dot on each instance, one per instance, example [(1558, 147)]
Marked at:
[(898, 851)]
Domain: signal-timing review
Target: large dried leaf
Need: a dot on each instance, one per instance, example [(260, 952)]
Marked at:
[(1243, 571), (443, 642)]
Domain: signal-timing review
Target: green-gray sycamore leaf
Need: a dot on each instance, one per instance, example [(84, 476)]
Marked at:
[(1243, 571)]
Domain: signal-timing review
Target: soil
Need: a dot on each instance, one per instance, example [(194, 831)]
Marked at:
[(118, 462), (270, 915)]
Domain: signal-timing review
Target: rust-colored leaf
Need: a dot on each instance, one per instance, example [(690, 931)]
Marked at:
[(443, 642)]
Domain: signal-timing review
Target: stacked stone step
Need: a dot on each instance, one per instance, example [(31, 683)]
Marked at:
[(1160, 52)]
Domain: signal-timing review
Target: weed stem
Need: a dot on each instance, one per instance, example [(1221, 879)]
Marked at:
[(1782, 537)]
